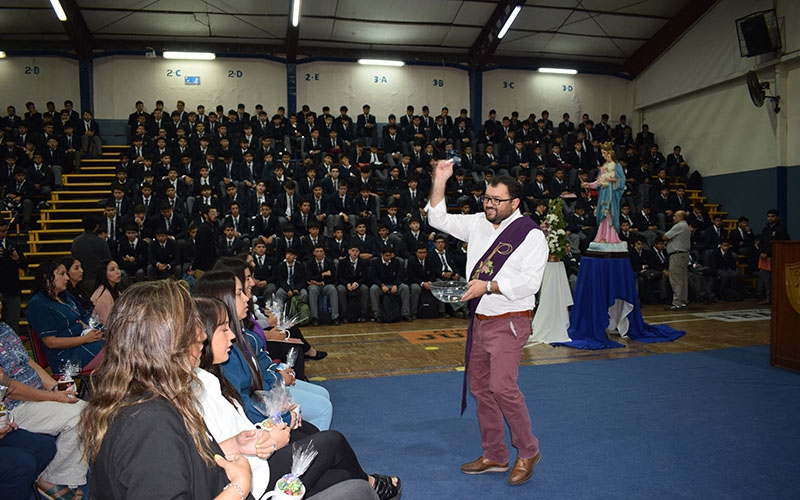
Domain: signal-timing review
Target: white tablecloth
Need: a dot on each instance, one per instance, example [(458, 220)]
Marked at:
[(551, 320)]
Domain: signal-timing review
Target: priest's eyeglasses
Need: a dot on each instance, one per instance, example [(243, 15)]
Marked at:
[(489, 200)]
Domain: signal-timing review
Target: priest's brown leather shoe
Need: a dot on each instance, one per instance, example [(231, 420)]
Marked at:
[(523, 469), (482, 465)]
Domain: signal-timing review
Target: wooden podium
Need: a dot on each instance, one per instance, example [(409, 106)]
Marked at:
[(785, 324)]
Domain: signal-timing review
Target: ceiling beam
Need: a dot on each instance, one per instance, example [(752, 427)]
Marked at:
[(666, 36), (292, 36), (484, 46), (77, 30)]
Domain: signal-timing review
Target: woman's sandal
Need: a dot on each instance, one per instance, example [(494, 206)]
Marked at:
[(67, 493), (385, 488)]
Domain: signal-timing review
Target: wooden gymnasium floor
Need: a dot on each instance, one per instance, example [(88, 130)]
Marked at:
[(437, 345)]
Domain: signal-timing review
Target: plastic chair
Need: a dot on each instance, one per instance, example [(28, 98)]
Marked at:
[(40, 358)]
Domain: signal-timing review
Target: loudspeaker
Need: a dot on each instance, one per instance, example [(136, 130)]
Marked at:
[(758, 33)]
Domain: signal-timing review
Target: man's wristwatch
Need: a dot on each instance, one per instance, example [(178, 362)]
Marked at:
[(489, 287)]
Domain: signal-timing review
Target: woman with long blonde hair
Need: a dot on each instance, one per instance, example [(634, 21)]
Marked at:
[(143, 430)]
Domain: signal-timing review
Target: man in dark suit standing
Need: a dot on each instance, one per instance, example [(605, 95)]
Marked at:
[(743, 242), (644, 140), (12, 260)]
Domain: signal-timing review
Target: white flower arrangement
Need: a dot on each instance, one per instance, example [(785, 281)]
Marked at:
[(554, 227)]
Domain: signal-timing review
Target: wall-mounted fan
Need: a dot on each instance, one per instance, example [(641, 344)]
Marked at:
[(758, 92)]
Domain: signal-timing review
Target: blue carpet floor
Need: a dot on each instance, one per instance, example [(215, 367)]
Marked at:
[(719, 424)]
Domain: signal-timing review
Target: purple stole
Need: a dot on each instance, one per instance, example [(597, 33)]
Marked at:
[(486, 269)]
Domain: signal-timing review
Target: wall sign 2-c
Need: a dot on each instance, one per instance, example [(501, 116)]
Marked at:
[(173, 73)]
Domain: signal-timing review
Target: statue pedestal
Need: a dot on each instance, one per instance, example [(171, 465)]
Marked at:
[(606, 299)]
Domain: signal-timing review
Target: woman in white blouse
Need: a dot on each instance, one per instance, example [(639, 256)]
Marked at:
[(224, 417)]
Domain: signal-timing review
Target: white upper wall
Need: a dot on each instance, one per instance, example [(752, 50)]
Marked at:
[(120, 81), (532, 92), (707, 54), (386, 89), (39, 79), (695, 94)]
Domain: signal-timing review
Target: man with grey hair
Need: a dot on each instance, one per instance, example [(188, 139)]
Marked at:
[(679, 242)]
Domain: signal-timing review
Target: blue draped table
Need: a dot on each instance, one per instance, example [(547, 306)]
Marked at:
[(602, 282)]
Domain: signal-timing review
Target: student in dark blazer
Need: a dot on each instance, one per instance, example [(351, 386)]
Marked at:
[(132, 253), (420, 272), (353, 281), (264, 270), (230, 245), (321, 279), (289, 240), (292, 279), (265, 226), (388, 277), (163, 257)]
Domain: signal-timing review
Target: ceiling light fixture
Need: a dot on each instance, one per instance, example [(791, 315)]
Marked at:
[(60, 14), (510, 21), (380, 62), (3, 54), (197, 56), (296, 12), (561, 71)]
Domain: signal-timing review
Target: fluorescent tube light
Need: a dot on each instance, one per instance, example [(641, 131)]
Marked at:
[(510, 21), (561, 71), (3, 54), (381, 62), (202, 56), (296, 12), (60, 14)]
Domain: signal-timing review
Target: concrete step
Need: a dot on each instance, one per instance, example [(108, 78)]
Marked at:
[(68, 213)]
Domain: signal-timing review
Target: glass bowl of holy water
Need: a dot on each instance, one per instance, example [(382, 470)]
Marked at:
[(449, 291)]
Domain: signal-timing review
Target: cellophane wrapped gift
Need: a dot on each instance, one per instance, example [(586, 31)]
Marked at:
[(302, 456), (272, 404)]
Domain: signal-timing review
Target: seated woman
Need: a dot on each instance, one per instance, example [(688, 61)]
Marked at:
[(109, 286), (59, 321), (253, 361), (39, 407), (23, 456), (225, 418), (75, 274), (143, 430), (263, 322)]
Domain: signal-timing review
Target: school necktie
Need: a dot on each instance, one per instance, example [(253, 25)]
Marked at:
[(445, 267)]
